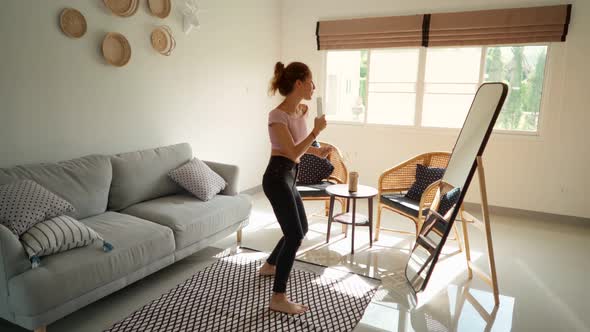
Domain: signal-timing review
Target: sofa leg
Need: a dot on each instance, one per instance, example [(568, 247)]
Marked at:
[(41, 329), (239, 238)]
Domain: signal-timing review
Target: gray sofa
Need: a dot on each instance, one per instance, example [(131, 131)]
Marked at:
[(129, 200)]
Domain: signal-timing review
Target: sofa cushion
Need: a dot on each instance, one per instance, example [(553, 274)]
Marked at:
[(198, 179), (25, 203), (191, 219), (84, 182), (70, 274), (59, 234), (143, 175)]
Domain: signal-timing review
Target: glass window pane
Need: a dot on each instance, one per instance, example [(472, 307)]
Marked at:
[(343, 84), (445, 110), (453, 65), (391, 108), (389, 87), (451, 80), (469, 88), (394, 65), (392, 86), (523, 68)]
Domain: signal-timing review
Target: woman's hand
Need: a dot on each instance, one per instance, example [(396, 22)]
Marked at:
[(325, 151), (303, 108), (319, 124)]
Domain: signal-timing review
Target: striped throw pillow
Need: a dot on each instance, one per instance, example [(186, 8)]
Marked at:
[(56, 235)]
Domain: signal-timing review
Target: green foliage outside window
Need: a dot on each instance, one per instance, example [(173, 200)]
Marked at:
[(523, 68)]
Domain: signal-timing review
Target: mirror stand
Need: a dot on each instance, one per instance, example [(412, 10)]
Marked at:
[(485, 227)]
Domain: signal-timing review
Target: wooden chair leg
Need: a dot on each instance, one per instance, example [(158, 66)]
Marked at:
[(466, 243), (458, 236), (343, 227), (239, 237), (326, 207), (41, 329), (378, 226)]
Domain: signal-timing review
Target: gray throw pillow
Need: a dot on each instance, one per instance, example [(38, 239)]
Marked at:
[(25, 203), (198, 179), (56, 235)]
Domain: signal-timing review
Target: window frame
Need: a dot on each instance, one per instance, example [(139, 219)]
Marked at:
[(420, 89)]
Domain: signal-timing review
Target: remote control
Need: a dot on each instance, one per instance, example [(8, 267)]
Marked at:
[(319, 106)]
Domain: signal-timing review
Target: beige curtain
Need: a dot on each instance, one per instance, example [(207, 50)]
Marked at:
[(502, 26), (484, 27), (375, 32)]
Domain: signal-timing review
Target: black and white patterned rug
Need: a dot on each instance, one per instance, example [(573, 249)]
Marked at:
[(230, 296)]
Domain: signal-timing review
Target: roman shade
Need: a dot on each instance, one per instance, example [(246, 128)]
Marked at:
[(502, 26), (484, 27), (374, 32)]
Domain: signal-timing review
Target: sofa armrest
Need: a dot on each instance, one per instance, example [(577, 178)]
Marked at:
[(229, 173), (13, 261)]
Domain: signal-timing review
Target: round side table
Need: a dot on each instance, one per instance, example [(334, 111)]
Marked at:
[(351, 218)]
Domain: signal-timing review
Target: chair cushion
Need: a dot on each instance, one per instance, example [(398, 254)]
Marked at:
[(314, 190), (425, 176), (402, 203), (25, 203), (57, 235), (198, 179), (313, 169), (191, 219), (66, 276)]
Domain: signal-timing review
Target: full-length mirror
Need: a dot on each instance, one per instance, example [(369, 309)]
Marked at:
[(471, 143)]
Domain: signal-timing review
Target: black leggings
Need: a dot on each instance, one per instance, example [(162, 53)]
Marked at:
[(279, 187)]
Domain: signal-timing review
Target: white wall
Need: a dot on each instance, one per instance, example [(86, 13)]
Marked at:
[(544, 173), (60, 100)]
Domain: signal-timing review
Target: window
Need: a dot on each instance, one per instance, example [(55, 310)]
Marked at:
[(433, 87), (450, 83), (523, 68), (343, 86), (392, 86)]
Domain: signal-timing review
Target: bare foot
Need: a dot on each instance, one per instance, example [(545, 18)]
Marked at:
[(267, 269), (280, 303)]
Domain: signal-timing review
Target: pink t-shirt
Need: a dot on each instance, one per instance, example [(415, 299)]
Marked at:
[(297, 126)]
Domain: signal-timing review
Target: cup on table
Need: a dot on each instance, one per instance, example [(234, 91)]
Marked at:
[(353, 181)]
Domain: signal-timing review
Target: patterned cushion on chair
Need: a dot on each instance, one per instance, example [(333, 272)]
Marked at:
[(313, 169), (197, 178), (425, 176), (25, 203)]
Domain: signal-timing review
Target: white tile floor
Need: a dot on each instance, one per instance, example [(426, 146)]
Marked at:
[(541, 264), (542, 269)]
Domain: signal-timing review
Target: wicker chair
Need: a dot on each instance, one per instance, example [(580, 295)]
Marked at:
[(338, 176), (394, 182)]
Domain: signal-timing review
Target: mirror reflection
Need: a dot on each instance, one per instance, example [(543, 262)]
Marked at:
[(451, 190)]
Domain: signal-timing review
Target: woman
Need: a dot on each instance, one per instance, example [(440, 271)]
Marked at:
[(290, 140)]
